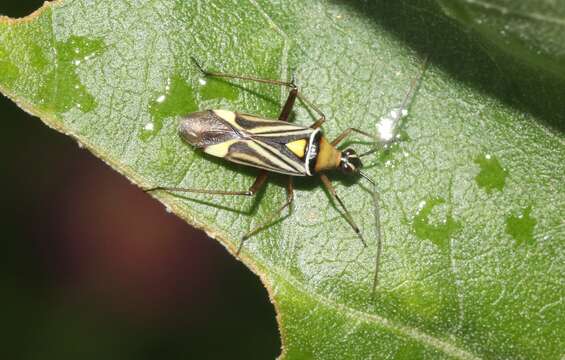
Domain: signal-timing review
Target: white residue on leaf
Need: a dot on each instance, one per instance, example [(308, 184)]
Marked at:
[(388, 124), (385, 129)]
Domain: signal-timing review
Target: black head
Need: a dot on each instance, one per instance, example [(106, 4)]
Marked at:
[(350, 162)]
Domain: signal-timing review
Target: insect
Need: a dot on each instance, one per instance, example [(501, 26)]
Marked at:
[(273, 146)]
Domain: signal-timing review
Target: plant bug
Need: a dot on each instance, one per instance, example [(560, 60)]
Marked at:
[(278, 146)]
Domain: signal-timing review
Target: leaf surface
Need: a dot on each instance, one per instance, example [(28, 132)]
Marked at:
[(471, 197)]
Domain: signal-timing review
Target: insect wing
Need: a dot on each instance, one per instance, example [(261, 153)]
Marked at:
[(205, 128), (273, 145)]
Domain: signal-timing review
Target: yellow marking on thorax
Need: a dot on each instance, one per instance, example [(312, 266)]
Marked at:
[(298, 147), (221, 149), (328, 156)]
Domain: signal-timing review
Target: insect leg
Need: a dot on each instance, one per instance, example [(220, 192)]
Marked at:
[(318, 123), (241, 77), (288, 105), (257, 185), (322, 118), (273, 215), (328, 185), (307, 102), (288, 84), (347, 132)]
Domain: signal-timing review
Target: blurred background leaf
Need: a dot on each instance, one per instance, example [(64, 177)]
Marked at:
[(525, 41), (472, 197), (529, 30)]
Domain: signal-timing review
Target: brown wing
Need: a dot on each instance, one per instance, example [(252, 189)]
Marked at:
[(205, 128)]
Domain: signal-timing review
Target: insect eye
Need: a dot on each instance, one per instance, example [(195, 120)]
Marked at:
[(346, 167), (351, 159), (356, 163)]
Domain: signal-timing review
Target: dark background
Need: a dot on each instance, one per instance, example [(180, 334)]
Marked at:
[(93, 268)]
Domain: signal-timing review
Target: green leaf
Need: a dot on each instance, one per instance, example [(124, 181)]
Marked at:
[(531, 30), (472, 198), (525, 41)]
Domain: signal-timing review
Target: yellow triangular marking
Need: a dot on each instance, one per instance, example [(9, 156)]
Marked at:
[(298, 147)]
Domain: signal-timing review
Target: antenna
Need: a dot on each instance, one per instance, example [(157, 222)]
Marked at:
[(367, 178), (368, 153), (379, 241), (415, 82), (388, 124), (375, 196)]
